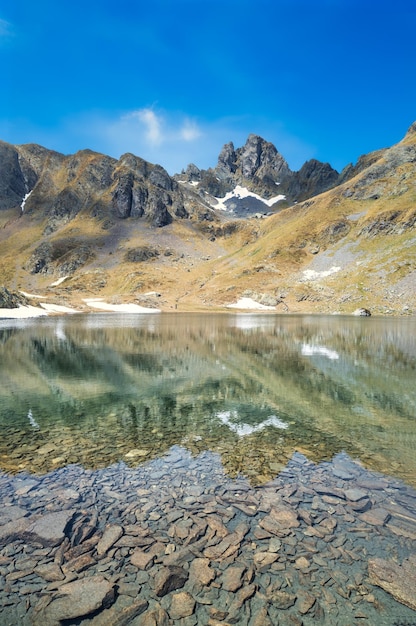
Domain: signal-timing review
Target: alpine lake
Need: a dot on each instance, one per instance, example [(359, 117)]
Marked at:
[(208, 469)]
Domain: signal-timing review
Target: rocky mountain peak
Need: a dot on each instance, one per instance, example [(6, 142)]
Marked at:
[(193, 173), (226, 161), (258, 169), (260, 158), (313, 178)]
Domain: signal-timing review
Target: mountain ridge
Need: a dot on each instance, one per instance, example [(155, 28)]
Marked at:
[(123, 227)]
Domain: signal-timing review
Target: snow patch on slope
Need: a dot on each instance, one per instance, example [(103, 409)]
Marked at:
[(314, 275), (59, 281), (22, 206), (240, 192)]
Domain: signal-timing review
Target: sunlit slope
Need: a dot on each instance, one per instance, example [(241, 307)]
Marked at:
[(352, 246)]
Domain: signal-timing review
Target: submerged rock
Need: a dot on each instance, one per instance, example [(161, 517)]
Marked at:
[(398, 580), (168, 579), (109, 538), (155, 617), (49, 530), (79, 598), (182, 605)]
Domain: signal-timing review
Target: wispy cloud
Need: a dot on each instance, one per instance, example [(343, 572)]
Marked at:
[(190, 131), (152, 123), (6, 30), (159, 127), (159, 136)]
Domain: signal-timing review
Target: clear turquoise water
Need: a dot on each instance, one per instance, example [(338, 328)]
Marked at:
[(96, 389)]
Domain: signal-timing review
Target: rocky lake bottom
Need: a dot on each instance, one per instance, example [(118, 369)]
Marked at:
[(207, 470), (176, 541)]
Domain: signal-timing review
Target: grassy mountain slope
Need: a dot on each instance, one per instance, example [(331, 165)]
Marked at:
[(352, 246)]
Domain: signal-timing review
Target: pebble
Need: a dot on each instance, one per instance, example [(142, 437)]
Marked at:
[(142, 560), (233, 578), (182, 605)]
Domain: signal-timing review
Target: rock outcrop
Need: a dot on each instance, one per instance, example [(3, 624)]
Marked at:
[(61, 187), (313, 178), (10, 300)]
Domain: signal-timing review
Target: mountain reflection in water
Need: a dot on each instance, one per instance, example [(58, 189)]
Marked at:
[(97, 389)]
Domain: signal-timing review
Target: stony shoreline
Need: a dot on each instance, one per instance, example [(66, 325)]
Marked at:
[(176, 541)]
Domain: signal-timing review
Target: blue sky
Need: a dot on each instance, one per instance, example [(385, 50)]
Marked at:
[(173, 80)]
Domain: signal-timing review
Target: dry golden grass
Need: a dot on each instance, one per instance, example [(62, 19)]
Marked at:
[(195, 270)]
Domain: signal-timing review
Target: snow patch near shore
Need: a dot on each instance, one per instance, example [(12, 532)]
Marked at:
[(57, 308), (31, 295), (23, 312), (249, 303), (98, 303)]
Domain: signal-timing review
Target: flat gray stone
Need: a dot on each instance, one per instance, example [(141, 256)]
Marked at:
[(50, 528), (13, 529), (11, 513), (355, 494), (343, 474), (109, 538), (79, 598), (376, 517)]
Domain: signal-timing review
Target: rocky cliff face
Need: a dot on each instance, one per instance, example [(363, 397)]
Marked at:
[(62, 186), (313, 178), (47, 184)]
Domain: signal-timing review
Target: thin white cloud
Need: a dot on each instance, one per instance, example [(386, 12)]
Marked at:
[(153, 125), (190, 131), (5, 29), (153, 129)]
